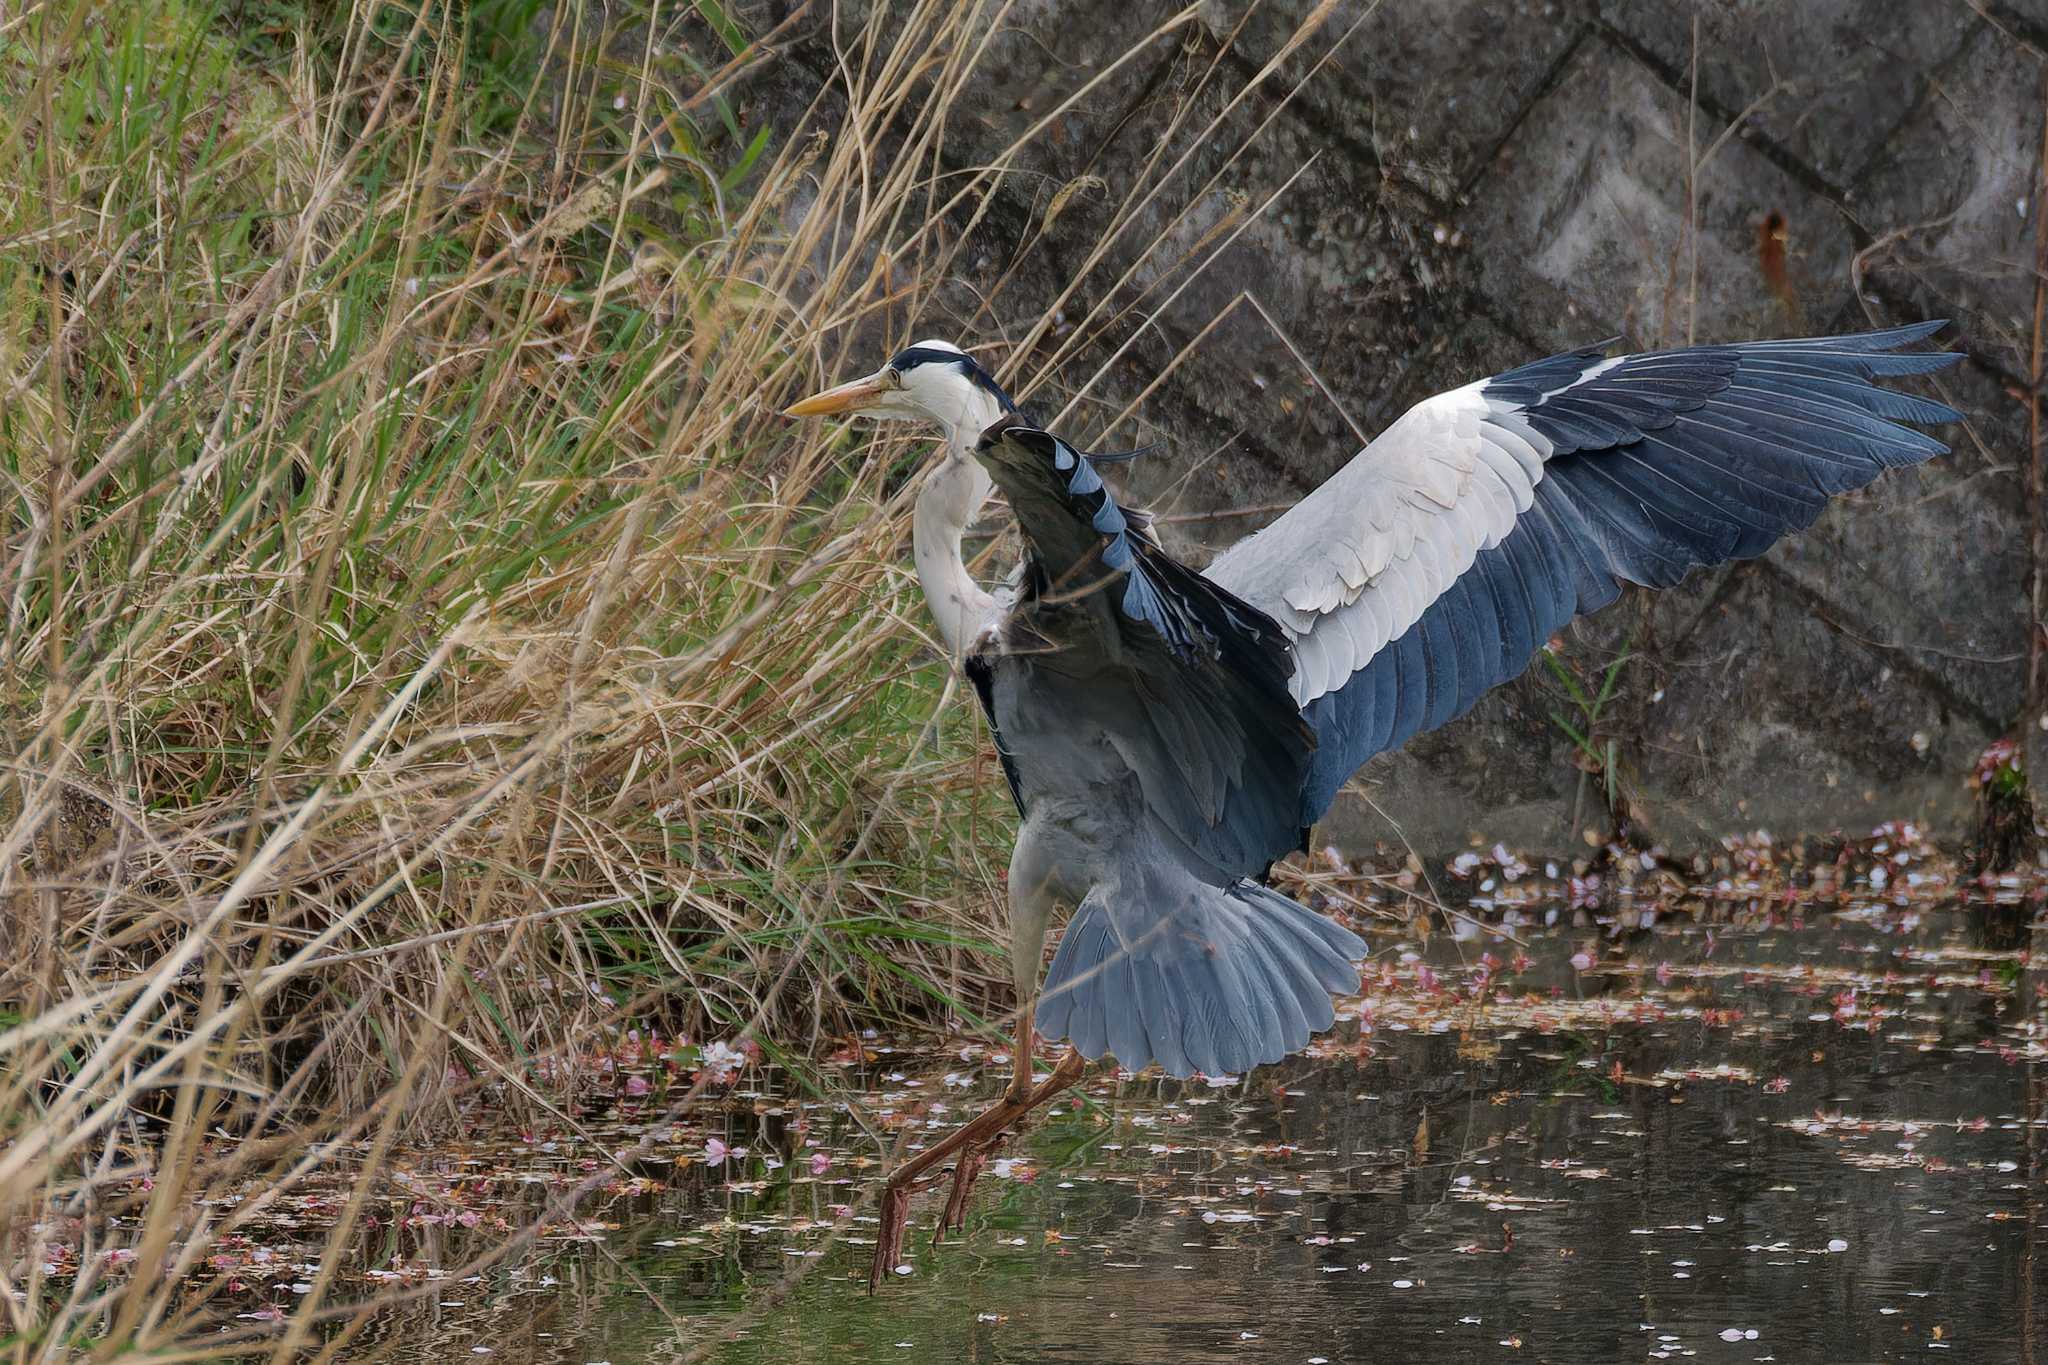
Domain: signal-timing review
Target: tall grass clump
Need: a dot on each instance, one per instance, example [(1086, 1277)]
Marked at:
[(425, 644)]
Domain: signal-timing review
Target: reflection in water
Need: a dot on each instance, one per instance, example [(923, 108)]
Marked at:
[(1793, 1144)]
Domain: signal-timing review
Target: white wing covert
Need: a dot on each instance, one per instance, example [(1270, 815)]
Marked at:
[(1430, 568)]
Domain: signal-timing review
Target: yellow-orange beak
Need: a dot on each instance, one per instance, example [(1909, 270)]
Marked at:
[(853, 397)]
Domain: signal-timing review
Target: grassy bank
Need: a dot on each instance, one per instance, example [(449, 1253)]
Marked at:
[(419, 618), (425, 645), (426, 648)]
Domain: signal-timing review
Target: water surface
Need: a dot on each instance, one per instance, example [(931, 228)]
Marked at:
[(1816, 1141)]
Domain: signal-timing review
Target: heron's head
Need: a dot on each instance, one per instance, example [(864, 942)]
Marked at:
[(933, 381)]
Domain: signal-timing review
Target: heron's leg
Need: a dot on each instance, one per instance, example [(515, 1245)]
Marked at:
[(1036, 868), (972, 1136), (1020, 1055), (1018, 1096), (969, 1167), (974, 1155)]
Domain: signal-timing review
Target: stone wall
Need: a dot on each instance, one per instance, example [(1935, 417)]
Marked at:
[(1487, 181)]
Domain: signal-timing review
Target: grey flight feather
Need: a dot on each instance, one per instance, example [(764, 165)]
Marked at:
[(1432, 567)]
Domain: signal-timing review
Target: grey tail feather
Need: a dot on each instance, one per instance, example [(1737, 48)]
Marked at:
[(1226, 979)]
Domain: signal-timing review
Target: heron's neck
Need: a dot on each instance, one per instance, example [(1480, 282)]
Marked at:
[(952, 496)]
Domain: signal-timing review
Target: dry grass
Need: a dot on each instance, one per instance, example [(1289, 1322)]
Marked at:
[(426, 647)]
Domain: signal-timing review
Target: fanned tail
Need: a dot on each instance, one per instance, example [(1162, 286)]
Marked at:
[(1201, 978)]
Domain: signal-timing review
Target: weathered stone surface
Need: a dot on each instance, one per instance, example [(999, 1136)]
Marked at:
[(1424, 92), (1583, 224), (1825, 80), (1958, 186), (1823, 738), (1485, 182)]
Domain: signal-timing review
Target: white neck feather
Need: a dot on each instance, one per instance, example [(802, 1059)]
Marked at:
[(949, 502), (953, 493)]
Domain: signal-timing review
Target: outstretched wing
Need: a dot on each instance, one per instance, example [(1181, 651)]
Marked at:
[(1432, 566), (1187, 683)]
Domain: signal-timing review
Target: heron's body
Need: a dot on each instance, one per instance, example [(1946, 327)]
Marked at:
[(1157, 757), (1168, 735)]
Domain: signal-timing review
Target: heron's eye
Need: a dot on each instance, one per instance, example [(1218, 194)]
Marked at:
[(892, 377)]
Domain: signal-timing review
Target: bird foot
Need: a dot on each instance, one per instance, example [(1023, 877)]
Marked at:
[(965, 1172), (973, 1142), (895, 1213)]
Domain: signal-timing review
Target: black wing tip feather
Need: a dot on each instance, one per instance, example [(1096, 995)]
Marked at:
[(1007, 423), (1018, 425), (1582, 400), (1539, 376), (1877, 339), (1857, 357), (1731, 448)]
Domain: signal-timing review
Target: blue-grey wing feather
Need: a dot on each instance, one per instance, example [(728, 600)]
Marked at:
[(1431, 568)]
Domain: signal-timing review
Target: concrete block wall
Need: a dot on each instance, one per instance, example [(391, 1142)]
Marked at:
[(1491, 180)]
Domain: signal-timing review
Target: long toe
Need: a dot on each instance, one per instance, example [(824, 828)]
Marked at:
[(895, 1212), (965, 1172)]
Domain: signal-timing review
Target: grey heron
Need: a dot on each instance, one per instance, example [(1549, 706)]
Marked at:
[(1167, 734)]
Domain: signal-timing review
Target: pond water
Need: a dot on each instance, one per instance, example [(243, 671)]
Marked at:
[(1817, 1141)]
